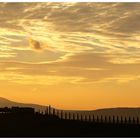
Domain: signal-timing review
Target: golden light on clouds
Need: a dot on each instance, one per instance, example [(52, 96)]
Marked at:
[(89, 52)]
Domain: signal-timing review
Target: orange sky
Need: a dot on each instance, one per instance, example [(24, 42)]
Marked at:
[(70, 55)]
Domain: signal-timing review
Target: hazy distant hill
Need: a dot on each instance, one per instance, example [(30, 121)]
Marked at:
[(7, 103), (107, 111), (133, 112)]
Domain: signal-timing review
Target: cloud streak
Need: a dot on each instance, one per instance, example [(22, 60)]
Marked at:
[(90, 41), (77, 69)]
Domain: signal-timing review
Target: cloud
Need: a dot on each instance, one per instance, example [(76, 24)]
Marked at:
[(80, 68), (35, 45), (107, 28), (101, 41)]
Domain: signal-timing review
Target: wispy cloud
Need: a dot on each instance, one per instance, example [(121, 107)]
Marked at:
[(79, 68), (90, 41)]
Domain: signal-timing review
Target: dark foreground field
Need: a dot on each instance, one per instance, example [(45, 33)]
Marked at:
[(13, 125)]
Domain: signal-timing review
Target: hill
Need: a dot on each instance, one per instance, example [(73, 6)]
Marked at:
[(7, 103), (106, 111)]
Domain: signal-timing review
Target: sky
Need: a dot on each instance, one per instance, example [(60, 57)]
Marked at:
[(70, 55)]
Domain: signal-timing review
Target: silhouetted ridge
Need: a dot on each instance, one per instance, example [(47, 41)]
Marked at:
[(7, 103), (124, 111), (26, 122)]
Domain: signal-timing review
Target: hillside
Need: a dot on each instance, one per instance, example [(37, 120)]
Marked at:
[(107, 111), (7, 103)]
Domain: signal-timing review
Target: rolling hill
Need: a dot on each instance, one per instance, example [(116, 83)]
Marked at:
[(7, 103), (106, 111)]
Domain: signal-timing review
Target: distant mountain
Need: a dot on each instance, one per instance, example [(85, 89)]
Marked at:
[(132, 112), (106, 111), (7, 103)]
